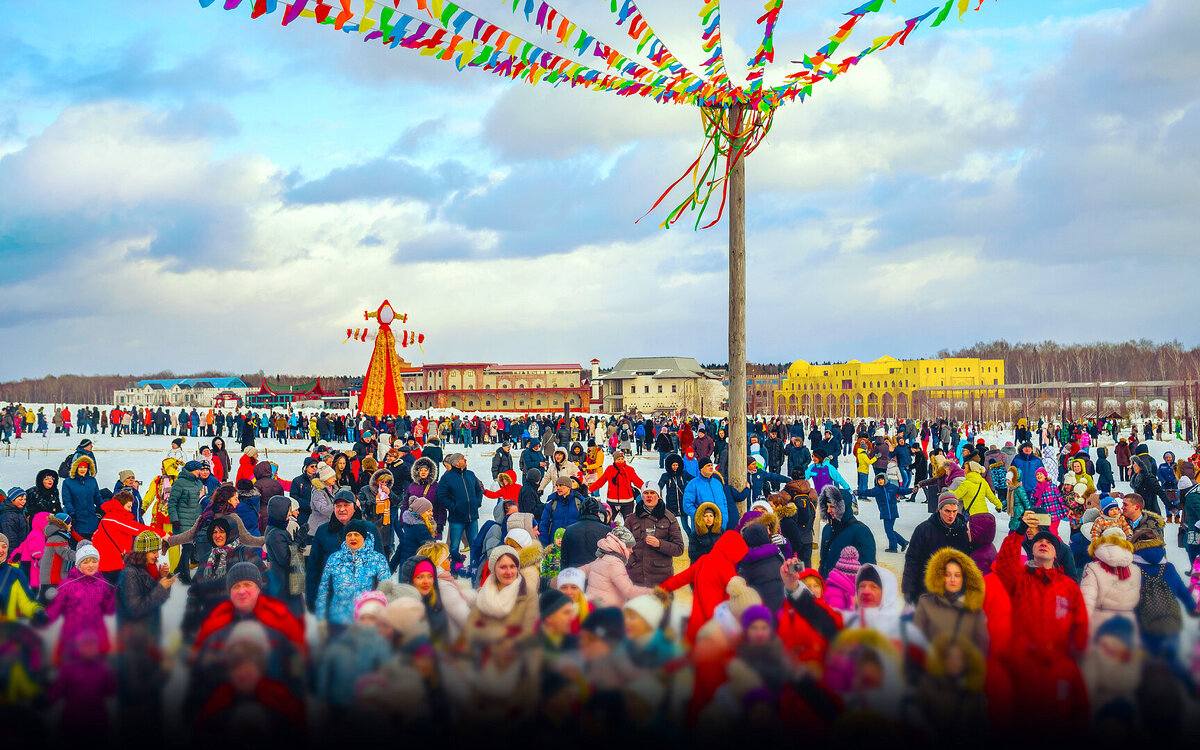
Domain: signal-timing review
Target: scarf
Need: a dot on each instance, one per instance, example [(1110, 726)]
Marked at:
[(218, 560), (493, 601), (1122, 574)]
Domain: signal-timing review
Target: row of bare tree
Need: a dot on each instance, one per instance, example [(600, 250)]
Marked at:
[(1104, 361)]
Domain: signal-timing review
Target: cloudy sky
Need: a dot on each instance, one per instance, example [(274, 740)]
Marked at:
[(186, 188)]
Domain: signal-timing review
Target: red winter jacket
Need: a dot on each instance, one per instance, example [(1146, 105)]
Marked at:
[(510, 491), (708, 577), (115, 534), (807, 625), (621, 479), (245, 470), (1049, 628), (271, 613)]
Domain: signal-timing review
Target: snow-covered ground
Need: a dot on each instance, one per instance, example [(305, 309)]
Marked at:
[(20, 462)]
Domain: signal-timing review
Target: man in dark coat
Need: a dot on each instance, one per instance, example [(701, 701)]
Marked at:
[(580, 538), (301, 489), (460, 493), (944, 528), (501, 461), (657, 539), (841, 530)]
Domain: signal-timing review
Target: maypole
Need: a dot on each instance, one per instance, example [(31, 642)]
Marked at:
[(736, 119)]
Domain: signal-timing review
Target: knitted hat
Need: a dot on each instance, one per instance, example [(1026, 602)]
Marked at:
[(251, 451), (194, 466), (86, 552), (147, 541), (453, 458), (84, 444), (563, 481), (123, 475), (369, 603), (251, 633), (499, 551), (1118, 627), (700, 464), (606, 623), (551, 601), (359, 526), (572, 576), (947, 498), (1107, 502), (757, 612), (243, 571), (741, 596), (419, 506), (650, 487), (647, 606), (310, 461), (326, 473), (848, 561)]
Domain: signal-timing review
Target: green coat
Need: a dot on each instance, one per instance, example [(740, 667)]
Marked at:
[(184, 504)]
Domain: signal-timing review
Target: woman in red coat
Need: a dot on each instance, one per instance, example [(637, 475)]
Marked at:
[(246, 464), (708, 577), (115, 534), (621, 480)]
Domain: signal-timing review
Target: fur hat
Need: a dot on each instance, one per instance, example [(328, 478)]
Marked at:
[(406, 616), (572, 576), (741, 596), (147, 541)]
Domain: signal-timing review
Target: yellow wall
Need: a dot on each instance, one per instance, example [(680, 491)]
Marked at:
[(880, 388)]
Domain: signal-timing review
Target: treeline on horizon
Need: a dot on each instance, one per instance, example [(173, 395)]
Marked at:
[(1030, 362), (98, 389)]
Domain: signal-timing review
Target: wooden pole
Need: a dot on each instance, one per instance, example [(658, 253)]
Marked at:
[(737, 309)]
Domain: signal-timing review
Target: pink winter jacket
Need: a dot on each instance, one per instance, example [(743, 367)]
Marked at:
[(608, 582), (839, 590)]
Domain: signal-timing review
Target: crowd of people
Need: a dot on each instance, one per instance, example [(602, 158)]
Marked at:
[(368, 596)]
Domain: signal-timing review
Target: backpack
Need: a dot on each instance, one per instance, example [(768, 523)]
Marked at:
[(999, 475), (1158, 610), (64, 469), (820, 478)]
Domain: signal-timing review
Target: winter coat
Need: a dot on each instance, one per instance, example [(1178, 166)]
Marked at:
[(650, 566), (885, 498), (114, 538), (842, 532), (183, 507), (461, 494), (38, 499), (246, 466), (359, 651), (413, 533), (376, 509), (930, 536), (83, 602), (982, 530), (700, 491), (1104, 473), (1050, 628), (347, 574), (760, 567), (1105, 593), (81, 498), (558, 513), (580, 539), (673, 482), (708, 577), (1028, 466), (483, 629), (58, 556), (266, 484), (973, 491), (1122, 454), (501, 462), (940, 614), (807, 624), (608, 582), (556, 469), (14, 524), (703, 536), (457, 602), (839, 590), (621, 480), (277, 545), (139, 601)]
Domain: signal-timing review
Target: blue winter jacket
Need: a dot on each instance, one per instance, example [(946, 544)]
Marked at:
[(1028, 466), (885, 498), (81, 500), (756, 479), (558, 513), (701, 490), (349, 573)]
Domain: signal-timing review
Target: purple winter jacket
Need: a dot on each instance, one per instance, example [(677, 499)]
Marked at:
[(982, 529), (82, 602)]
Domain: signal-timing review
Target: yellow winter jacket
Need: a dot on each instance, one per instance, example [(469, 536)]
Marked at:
[(973, 491), (864, 461)]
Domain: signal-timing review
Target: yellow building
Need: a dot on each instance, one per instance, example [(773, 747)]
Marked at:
[(883, 388)]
